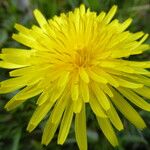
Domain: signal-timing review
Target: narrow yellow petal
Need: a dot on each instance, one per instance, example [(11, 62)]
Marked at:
[(63, 79), (38, 115), (127, 110), (28, 41), (136, 36), (144, 91), (101, 16), (96, 107), (120, 38), (4, 90), (43, 98), (84, 89), (101, 97), (125, 24), (114, 118), (20, 60), (18, 99), (77, 105), (80, 129), (22, 71), (140, 49), (143, 39), (142, 79), (106, 89), (82, 9), (12, 84), (134, 98), (110, 14), (28, 92), (9, 65), (74, 91), (59, 108), (108, 131), (76, 18), (22, 29), (65, 124), (56, 92), (142, 71), (13, 103), (128, 84), (17, 51), (83, 74), (109, 78), (40, 18), (97, 78), (143, 64), (49, 131), (115, 66)]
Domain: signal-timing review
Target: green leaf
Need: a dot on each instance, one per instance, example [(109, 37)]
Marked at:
[(16, 140), (3, 36)]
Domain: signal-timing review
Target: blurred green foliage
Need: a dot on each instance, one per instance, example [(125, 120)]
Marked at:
[(13, 135)]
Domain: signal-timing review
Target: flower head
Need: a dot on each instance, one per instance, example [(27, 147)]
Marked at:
[(73, 59)]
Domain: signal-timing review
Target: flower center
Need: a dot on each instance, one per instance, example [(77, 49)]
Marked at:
[(82, 58)]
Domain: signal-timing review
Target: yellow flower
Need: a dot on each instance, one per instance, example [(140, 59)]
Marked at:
[(74, 59)]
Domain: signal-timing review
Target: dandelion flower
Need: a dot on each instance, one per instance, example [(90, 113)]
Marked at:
[(74, 59)]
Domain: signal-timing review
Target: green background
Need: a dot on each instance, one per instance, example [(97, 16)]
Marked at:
[(13, 134)]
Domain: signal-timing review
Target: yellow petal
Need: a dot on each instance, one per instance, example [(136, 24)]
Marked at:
[(108, 131), (59, 108), (56, 92), (116, 66), (8, 89), (20, 60), (22, 71), (22, 29), (63, 79), (128, 84), (13, 103), (134, 98), (12, 84), (77, 105), (115, 119), (82, 9), (96, 107), (65, 124), (40, 18), (110, 14), (9, 65), (49, 131), (144, 91), (80, 129), (38, 115), (28, 41), (109, 78), (101, 97), (17, 51), (83, 74), (101, 16), (84, 89), (142, 79), (75, 90), (106, 89), (125, 24), (28, 92), (43, 98), (127, 110), (97, 78)]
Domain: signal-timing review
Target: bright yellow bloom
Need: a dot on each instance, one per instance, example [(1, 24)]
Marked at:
[(77, 58)]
